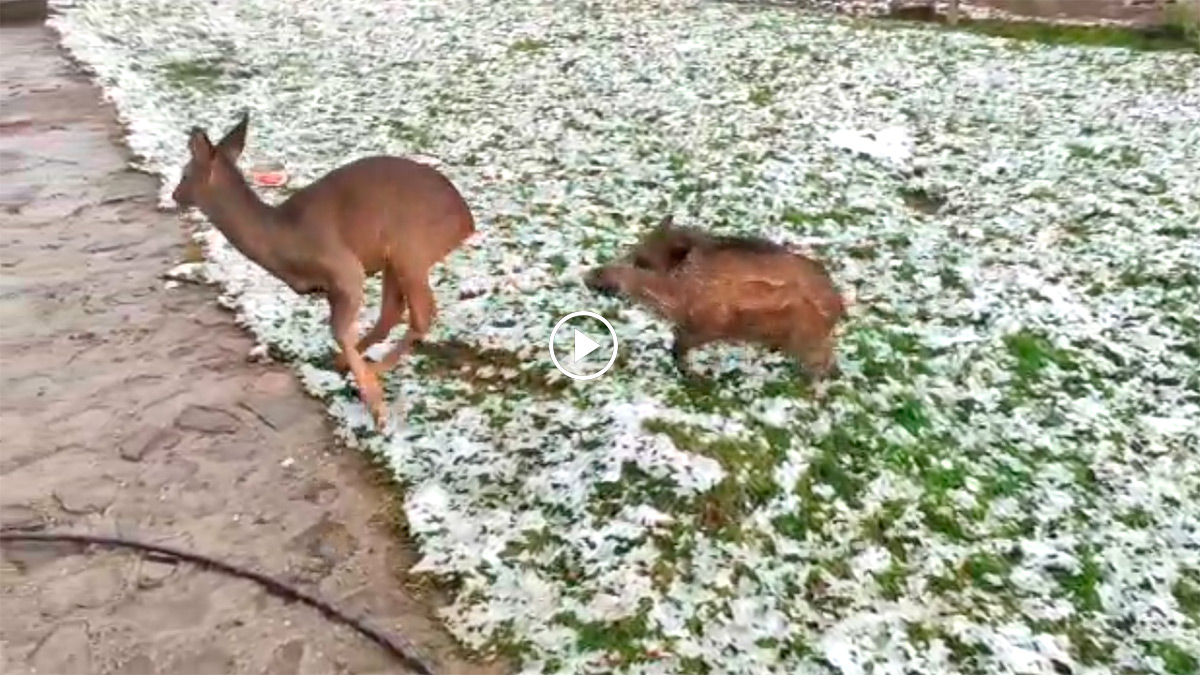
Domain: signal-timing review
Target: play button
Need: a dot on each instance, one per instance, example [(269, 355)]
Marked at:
[(584, 345), (586, 335)]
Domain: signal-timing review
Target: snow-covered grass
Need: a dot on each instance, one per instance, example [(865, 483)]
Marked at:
[(1006, 477)]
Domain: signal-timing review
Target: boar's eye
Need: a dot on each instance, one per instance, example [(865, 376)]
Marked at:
[(676, 255), (642, 262)]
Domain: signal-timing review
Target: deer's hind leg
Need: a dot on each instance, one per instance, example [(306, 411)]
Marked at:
[(391, 311), (421, 311)]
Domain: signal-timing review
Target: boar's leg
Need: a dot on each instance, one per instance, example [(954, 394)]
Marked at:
[(817, 357), (685, 339)]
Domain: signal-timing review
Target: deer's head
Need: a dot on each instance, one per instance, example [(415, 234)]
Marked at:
[(210, 165)]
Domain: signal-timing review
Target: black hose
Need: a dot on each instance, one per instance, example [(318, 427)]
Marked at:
[(399, 647)]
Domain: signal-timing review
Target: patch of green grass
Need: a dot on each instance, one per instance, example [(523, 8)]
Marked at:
[(1167, 37), (922, 201), (1184, 18), (1136, 518), (1034, 353), (1186, 590), (762, 96), (1176, 660), (891, 581), (882, 527), (483, 368), (748, 485), (911, 415), (528, 45), (633, 486), (840, 217), (418, 138), (1084, 644), (887, 354), (209, 74), (1082, 586), (837, 465), (1178, 231), (1140, 274), (943, 520), (987, 571), (622, 639)]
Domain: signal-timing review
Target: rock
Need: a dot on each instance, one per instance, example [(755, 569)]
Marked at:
[(66, 651), (207, 660), (90, 587), (207, 420), (152, 573), (91, 497), (191, 272), (20, 517), (149, 440), (328, 540), (319, 491), (315, 661), (136, 665), (167, 611), (310, 569), (276, 384), (285, 660), (109, 244), (279, 413)]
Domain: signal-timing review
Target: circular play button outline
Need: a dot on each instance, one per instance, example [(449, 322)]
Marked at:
[(554, 357)]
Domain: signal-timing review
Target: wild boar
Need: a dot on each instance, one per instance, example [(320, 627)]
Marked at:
[(731, 289)]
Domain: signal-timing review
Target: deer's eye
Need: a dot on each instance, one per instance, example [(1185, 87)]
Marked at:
[(642, 262)]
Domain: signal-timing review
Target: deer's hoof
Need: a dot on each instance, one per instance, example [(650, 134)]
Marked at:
[(380, 417), (372, 397)]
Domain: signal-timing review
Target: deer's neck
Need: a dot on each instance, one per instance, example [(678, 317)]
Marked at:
[(253, 227)]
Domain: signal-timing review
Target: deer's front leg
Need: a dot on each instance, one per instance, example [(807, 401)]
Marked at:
[(344, 302)]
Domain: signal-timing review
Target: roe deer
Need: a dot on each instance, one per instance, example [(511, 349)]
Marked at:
[(729, 288), (375, 214)]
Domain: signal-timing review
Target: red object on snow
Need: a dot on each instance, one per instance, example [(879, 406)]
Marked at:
[(271, 175)]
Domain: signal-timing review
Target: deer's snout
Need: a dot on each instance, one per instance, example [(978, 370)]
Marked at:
[(181, 198)]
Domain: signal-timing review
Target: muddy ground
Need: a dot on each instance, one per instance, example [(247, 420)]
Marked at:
[(130, 408)]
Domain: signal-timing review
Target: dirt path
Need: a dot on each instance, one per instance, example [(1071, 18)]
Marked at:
[(130, 408)]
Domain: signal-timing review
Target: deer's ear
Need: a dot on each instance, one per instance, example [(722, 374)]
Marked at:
[(667, 223), (199, 145), (235, 141)]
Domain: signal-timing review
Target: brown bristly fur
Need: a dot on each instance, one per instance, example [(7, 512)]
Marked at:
[(375, 214), (733, 289)]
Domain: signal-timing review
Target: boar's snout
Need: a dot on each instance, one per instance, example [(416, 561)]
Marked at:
[(600, 281)]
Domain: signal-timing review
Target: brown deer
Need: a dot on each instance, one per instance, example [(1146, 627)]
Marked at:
[(375, 214), (718, 288)]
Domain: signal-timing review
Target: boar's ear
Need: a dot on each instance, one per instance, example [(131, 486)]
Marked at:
[(667, 223)]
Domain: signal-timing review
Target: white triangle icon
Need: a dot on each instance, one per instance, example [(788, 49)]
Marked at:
[(584, 345)]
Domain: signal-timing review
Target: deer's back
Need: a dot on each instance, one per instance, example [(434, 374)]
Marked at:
[(383, 208)]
